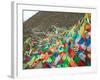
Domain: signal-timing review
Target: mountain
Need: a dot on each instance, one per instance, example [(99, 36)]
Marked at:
[(43, 20)]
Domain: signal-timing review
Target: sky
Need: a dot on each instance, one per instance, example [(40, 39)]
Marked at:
[(28, 14)]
